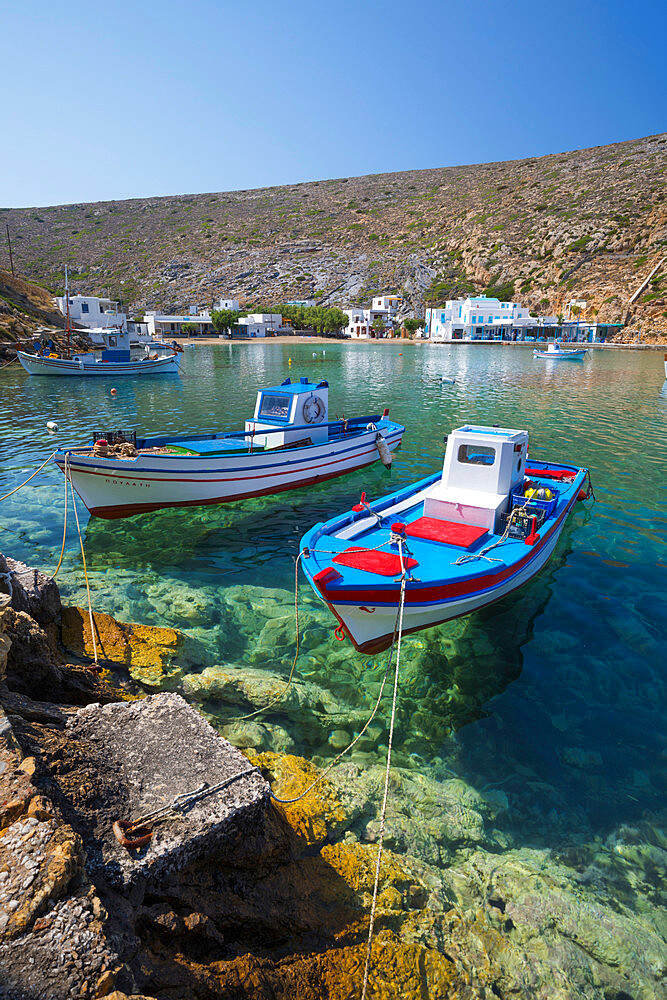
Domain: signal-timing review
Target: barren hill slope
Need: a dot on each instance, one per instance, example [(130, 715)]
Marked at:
[(24, 308), (588, 224)]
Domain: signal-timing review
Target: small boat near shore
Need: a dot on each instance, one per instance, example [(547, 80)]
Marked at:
[(460, 539), (114, 360), (288, 443), (556, 353)]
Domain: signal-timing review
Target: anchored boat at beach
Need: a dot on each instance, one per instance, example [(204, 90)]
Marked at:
[(288, 443), (114, 360), (555, 351), (446, 545)]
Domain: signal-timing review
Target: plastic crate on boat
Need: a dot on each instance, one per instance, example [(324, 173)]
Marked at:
[(548, 506)]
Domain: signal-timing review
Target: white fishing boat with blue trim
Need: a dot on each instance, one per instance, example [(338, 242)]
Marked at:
[(555, 352), (450, 544), (115, 360), (288, 443)]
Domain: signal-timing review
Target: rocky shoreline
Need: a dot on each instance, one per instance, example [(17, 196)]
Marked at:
[(241, 897)]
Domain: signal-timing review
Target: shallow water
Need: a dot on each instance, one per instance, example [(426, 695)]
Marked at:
[(549, 704)]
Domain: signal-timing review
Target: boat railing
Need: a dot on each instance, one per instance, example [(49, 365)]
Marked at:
[(354, 423)]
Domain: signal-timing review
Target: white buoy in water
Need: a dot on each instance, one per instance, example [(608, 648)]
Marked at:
[(51, 426)]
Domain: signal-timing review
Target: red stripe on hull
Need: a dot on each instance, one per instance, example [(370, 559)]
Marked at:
[(128, 510), (114, 470), (384, 641), (425, 595)]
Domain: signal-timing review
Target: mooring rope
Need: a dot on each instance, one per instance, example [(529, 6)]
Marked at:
[(85, 573), (397, 629), (183, 801), (279, 697), (8, 363), (25, 483), (62, 547)]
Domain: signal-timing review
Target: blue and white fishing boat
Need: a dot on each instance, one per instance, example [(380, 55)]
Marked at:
[(287, 444), (556, 353), (115, 360), (462, 538)]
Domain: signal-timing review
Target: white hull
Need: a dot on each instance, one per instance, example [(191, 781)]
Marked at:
[(113, 488), (36, 365), (560, 355), (368, 626)]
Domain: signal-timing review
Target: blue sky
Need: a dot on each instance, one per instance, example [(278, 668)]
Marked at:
[(132, 99)]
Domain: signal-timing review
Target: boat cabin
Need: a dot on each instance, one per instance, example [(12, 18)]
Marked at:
[(293, 411), (483, 466), (116, 346)]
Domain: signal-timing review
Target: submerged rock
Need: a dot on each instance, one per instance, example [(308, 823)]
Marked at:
[(148, 652)]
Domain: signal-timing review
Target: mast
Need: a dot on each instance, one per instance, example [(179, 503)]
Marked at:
[(68, 325)]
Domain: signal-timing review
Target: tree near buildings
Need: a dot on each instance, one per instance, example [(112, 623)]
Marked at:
[(412, 325), (224, 320), (318, 318)]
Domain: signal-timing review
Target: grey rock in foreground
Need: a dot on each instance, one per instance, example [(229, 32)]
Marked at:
[(145, 753), (29, 590)]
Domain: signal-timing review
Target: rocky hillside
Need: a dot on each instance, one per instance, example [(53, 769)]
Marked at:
[(587, 225), (25, 308)]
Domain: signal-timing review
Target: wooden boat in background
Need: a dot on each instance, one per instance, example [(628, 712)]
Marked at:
[(556, 353), (114, 360)]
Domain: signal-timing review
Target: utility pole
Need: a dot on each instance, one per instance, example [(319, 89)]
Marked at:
[(11, 259)]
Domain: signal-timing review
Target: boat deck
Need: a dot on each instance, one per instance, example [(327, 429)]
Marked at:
[(359, 549)]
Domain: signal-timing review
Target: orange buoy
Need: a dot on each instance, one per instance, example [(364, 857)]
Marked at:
[(114, 391)]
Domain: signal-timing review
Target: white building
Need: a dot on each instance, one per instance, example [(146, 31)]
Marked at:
[(359, 324), (93, 312), (479, 318), (386, 305), (262, 325), (361, 321), (171, 324)]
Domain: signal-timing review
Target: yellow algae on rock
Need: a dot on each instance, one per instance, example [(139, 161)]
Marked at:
[(315, 815), (355, 863), (397, 969), (146, 650)]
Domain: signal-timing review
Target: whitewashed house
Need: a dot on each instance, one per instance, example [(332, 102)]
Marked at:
[(92, 311), (479, 318), (386, 306), (361, 321), (171, 324), (262, 325), (359, 324)]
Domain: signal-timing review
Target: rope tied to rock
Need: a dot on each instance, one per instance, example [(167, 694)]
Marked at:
[(136, 833)]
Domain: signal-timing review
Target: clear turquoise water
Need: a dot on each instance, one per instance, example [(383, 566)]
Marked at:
[(550, 703)]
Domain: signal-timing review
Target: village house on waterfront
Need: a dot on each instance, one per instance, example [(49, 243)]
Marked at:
[(489, 319), (361, 321), (92, 312)]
